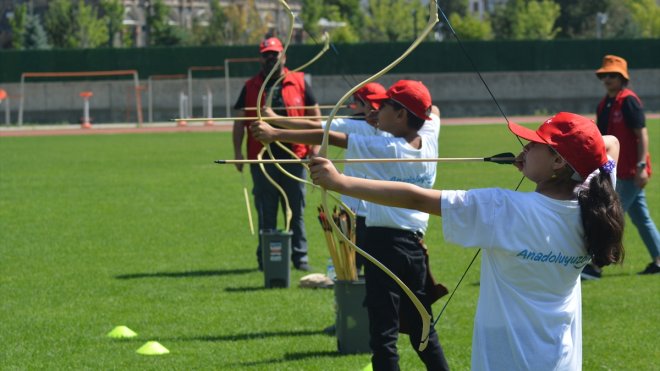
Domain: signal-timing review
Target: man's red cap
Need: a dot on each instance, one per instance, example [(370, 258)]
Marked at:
[(372, 88), (272, 44), (574, 137), (413, 95)]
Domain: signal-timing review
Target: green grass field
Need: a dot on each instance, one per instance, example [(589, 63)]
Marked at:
[(144, 231)]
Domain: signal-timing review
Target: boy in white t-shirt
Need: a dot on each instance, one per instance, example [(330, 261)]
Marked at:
[(362, 107), (394, 235), (535, 244)]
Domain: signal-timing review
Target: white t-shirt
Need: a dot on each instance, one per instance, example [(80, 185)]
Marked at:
[(359, 127), (419, 173), (529, 315)]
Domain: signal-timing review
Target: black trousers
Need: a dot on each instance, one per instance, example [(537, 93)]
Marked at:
[(268, 200), (401, 251)]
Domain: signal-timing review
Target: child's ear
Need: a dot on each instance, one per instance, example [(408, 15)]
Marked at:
[(559, 162)]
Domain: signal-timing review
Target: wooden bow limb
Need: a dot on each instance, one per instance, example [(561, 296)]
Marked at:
[(247, 203), (424, 314), (266, 147)]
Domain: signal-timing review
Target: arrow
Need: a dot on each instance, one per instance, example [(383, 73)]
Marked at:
[(502, 158)]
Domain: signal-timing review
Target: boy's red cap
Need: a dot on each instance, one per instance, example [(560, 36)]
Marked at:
[(413, 95), (272, 44), (372, 88), (574, 137)]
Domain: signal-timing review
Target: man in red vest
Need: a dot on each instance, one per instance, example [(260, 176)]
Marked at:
[(620, 113), (291, 97)]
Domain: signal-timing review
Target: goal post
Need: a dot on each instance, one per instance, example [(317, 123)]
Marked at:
[(190, 82), (150, 82), (52, 75)]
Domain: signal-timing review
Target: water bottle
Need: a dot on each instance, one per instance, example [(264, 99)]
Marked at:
[(331, 270)]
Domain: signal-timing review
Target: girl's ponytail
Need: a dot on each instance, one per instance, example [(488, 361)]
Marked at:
[(603, 220)]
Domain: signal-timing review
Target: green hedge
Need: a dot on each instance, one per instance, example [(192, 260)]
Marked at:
[(344, 59)]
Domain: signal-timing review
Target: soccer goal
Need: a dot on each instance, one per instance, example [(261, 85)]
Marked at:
[(167, 84), (51, 96), (206, 94)]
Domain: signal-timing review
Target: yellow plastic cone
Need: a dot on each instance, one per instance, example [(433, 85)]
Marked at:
[(152, 348), (122, 332)]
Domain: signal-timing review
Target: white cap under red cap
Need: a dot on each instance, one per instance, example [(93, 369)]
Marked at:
[(412, 95)]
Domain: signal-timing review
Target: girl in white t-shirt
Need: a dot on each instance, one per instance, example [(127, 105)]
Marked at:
[(535, 244)]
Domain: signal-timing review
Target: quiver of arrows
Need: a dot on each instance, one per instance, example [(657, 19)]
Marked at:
[(341, 253)]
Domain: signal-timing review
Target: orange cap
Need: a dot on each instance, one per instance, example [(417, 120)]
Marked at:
[(612, 63)]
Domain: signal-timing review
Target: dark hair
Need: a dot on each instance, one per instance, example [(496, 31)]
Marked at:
[(414, 122), (603, 221)]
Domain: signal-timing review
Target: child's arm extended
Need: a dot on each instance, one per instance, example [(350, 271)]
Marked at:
[(266, 133), (396, 194)]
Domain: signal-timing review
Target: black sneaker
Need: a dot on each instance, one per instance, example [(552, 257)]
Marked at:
[(590, 273), (652, 268)]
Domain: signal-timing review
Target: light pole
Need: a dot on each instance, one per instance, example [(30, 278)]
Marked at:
[(601, 19)]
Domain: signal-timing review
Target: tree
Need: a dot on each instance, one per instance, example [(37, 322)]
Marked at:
[(526, 19), (244, 25), (312, 12), (344, 34), (18, 24), (60, 22), (393, 20), (646, 14), (216, 32), (450, 7), (91, 31), (161, 33), (113, 14), (470, 27), (577, 19), (335, 10), (35, 36)]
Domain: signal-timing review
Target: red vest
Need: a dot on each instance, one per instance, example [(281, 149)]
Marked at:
[(616, 125), (293, 94)]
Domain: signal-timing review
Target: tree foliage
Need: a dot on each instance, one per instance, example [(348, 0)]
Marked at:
[(60, 24), (113, 13), (161, 32), (91, 31), (526, 20), (215, 32), (18, 24), (74, 25), (35, 35), (394, 20), (244, 25), (337, 11), (470, 27), (646, 15)]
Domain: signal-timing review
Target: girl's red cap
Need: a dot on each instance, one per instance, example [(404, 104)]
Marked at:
[(574, 137)]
